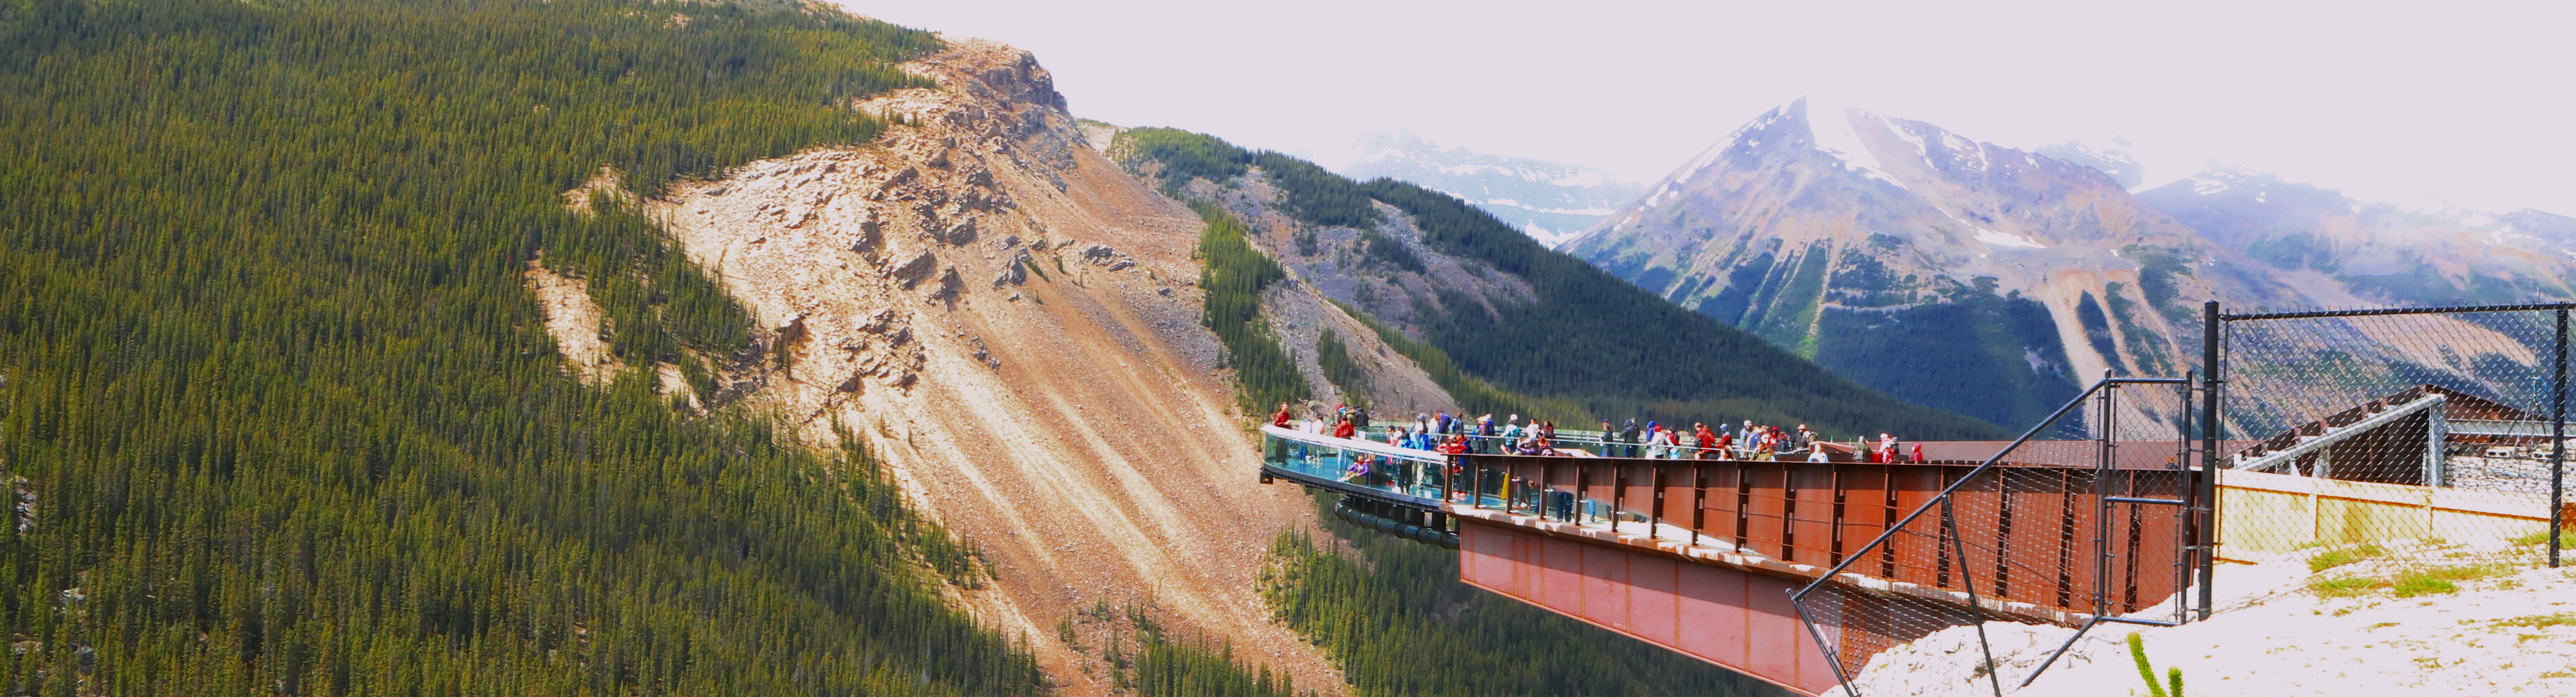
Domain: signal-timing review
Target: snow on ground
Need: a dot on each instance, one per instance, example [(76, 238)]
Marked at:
[(2274, 635)]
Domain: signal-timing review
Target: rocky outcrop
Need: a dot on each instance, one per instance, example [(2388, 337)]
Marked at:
[(1011, 324), (574, 319)]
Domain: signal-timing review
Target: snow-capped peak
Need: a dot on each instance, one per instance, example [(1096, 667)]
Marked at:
[(1836, 130)]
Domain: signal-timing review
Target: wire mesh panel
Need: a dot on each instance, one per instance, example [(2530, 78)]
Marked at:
[(2086, 519), (2393, 436)]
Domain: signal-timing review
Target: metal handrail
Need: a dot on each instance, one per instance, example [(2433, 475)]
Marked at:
[(1944, 496)]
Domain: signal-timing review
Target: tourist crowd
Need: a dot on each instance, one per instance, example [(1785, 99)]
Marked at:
[(1455, 434)]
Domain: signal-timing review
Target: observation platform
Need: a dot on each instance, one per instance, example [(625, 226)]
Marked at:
[(1700, 556)]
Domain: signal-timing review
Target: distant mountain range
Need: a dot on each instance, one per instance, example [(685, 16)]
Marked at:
[(1551, 202), (1993, 281), (1498, 322)]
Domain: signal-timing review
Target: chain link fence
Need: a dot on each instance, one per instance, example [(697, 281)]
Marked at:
[(2382, 447), (2088, 518), (2394, 442)]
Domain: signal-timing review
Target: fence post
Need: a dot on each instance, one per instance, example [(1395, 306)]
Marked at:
[(2211, 421), (2558, 446)]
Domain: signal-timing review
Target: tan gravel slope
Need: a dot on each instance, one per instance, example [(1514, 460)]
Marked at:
[(1011, 322)]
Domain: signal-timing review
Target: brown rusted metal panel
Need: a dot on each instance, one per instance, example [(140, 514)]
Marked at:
[(2037, 537), (1811, 513), (2152, 548), (1864, 510), (1916, 545), (1718, 501), (1599, 481), (2026, 530), (1763, 494), (1637, 486), (1736, 620), (1978, 516)]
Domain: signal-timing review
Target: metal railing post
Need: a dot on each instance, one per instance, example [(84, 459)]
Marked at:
[(2211, 423), (2558, 447), (2189, 495), (2102, 502)]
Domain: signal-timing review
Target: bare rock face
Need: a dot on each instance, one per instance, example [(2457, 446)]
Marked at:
[(1042, 415)]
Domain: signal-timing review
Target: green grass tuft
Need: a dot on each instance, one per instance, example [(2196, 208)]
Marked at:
[(2421, 585), (2563, 619), (2334, 558), (2345, 586)]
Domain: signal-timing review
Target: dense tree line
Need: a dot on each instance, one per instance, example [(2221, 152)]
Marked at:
[(1378, 247), (1312, 193), (1233, 275), (1476, 397), (281, 417), (1319, 197), (1334, 357), (1184, 156), (1165, 666), (1399, 622)]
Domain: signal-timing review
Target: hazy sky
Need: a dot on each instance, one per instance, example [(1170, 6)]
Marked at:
[(2475, 102)]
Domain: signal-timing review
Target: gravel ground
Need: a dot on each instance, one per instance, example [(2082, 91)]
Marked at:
[(2509, 634)]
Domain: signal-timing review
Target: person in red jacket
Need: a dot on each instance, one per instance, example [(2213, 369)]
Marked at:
[(1280, 419), (1706, 440), (1344, 429)]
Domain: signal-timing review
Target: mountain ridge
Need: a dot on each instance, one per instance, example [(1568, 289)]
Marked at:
[(1507, 309), (1552, 202), (1995, 281)]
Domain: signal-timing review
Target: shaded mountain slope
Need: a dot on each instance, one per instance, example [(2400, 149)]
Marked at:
[(1506, 309)]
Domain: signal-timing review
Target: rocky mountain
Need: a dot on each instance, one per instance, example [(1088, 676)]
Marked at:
[(1010, 322), (1993, 281), (2377, 252), (2108, 157), (1552, 202), (1499, 321)]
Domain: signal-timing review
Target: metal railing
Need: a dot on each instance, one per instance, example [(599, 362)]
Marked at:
[(2059, 518)]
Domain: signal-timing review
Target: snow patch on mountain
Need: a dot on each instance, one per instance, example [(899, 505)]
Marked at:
[(1837, 132), (2111, 157), (1549, 201)]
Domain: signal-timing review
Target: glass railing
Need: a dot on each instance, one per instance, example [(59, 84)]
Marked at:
[(1427, 474), (1605, 444), (1375, 465)]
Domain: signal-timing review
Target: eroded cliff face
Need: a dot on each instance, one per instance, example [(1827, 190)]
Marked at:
[(1011, 323)]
